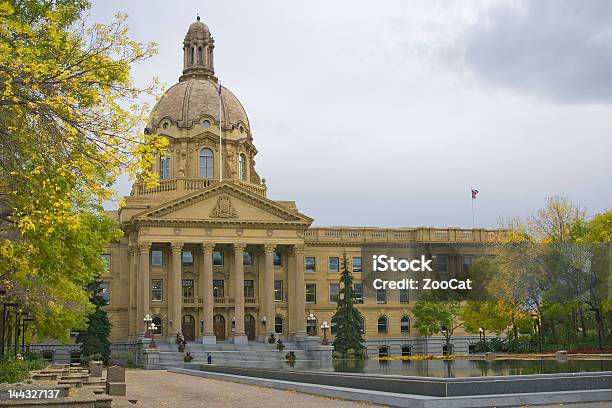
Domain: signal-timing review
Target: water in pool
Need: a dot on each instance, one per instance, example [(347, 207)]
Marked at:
[(439, 368)]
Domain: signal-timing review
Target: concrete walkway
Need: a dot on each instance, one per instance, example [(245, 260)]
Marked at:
[(157, 389)]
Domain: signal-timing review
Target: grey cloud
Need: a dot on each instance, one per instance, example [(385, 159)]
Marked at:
[(558, 49)]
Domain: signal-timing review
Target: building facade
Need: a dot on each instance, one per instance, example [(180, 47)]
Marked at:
[(206, 252)]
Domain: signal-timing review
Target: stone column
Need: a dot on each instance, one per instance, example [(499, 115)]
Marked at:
[(239, 334), (175, 300), (207, 293), (268, 282), (144, 247), (132, 293), (300, 292)]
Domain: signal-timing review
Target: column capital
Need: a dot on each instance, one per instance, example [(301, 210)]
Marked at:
[(131, 248), (144, 246), (269, 248), (297, 250), (177, 246), (208, 247), (239, 247)]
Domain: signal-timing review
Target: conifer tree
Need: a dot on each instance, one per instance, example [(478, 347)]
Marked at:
[(94, 340), (347, 320)]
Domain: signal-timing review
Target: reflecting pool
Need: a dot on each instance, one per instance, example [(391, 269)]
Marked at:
[(437, 368)]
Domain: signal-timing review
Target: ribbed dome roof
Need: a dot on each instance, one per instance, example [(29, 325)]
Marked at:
[(191, 100)]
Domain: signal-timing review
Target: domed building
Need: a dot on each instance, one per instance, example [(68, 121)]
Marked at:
[(207, 254)]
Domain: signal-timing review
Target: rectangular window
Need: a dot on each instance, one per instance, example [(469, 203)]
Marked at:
[(249, 289), (164, 170), (188, 288), (467, 263), (105, 292), (334, 292), (311, 293), (404, 297), (278, 290), (157, 257), (356, 264), (278, 259), (358, 292), (187, 258), (247, 258), (334, 264), (157, 290), (107, 261), (217, 258), (310, 263), (218, 288), (381, 296), (442, 263)]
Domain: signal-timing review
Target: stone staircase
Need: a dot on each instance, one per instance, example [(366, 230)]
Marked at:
[(228, 353)]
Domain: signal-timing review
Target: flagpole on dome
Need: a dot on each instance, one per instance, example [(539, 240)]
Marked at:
[(220, 135)]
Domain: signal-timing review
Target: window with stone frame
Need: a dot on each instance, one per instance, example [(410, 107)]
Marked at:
[(467, 262), (217, 258), (404, 296), (157, 257), (278, 290), (105, 292), (247, 258), (358, 292), (218, 288), (442, 263), (107, 261), (187, 258), (334, 292), (249, 289), (157, 290), (381, 296), (311, 293), (278, 259), (405, 324), (188, 288), (357, 264), (334, 264), (278, 324), (310, 263), (382, 325)]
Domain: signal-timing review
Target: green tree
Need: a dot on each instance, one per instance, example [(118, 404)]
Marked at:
[(433, 317), (347, 320), (488, 315), (94, 340), (70, 123)]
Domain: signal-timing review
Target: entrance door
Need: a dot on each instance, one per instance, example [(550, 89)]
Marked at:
[(249, 326), (188, 328), (219, 327)]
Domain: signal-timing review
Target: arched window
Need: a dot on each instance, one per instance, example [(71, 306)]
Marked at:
[(278, 324), (200, 55), (242, 167), (206, 163), (382, 325), (159, 326), (383, 351), (405, 324), (164, 168), (192, 54)]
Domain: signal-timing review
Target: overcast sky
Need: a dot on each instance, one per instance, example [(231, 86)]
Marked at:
[(386, 113)]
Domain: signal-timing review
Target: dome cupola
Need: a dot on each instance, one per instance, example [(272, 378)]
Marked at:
[(198, 55)]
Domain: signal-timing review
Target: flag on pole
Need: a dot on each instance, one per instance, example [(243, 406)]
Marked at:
[(474, 194)]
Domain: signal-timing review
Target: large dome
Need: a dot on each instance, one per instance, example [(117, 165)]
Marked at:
[(192, 100)]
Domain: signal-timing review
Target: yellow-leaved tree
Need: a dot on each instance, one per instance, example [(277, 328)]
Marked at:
[(71, 121)]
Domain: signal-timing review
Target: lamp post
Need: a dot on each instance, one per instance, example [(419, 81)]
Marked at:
[(311, 319), (152, 327), (24, 323), (324, 327), (147, 321), (444, 332)]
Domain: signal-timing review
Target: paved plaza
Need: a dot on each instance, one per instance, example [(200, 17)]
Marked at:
[(156, 389)]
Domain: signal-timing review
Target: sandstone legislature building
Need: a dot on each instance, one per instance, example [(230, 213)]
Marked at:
[(208, 253)]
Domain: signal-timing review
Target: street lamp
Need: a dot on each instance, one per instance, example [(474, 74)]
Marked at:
[(481, 333), (324, 327), (152, 328), (147, 322), (311, 319), (24, 324)]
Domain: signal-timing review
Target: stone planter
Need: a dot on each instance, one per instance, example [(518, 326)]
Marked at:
[(118, 361)]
